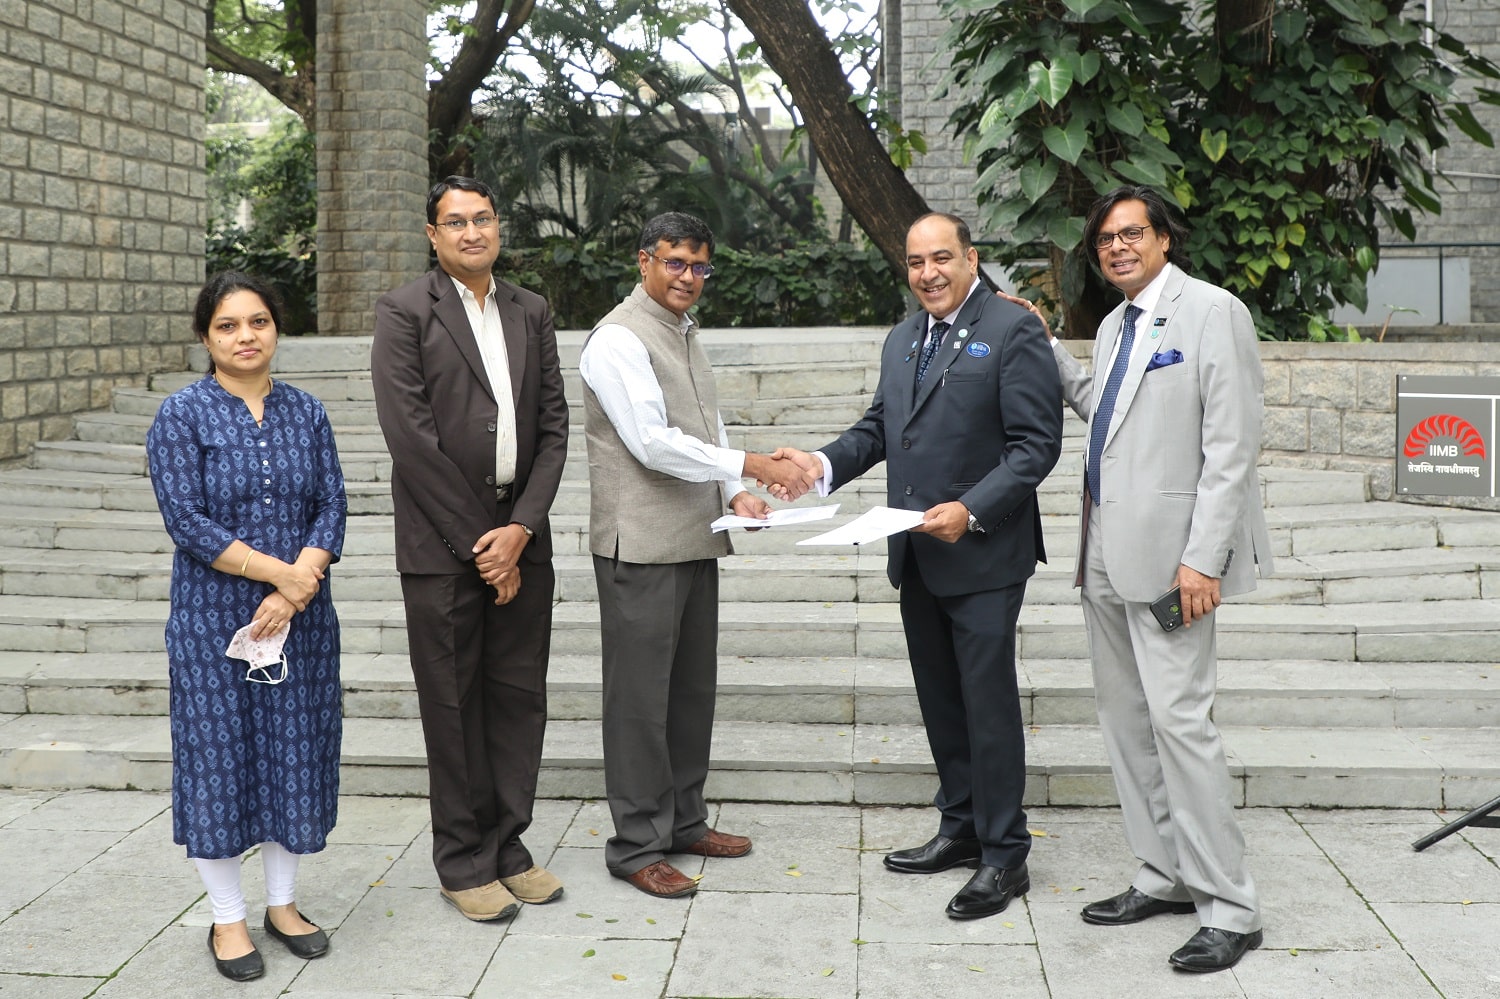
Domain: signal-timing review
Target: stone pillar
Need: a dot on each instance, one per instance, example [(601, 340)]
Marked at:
[(372, 156), (102, 204)]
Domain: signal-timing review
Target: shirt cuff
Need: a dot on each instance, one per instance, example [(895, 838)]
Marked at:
[(822, 484)]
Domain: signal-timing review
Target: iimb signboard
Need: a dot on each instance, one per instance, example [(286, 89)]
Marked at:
[(1446, 434)]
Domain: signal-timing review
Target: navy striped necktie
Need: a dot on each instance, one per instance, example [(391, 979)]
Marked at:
[(934, 341), (1105, 411)]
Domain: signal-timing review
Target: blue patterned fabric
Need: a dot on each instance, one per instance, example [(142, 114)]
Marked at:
[(251, 762), (1105, 411)]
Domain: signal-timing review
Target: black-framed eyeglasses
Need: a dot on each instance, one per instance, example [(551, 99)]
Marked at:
[(676, 267), (457, 226), (1129, 234)]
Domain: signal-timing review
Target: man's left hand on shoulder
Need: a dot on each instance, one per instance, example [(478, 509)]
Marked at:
[(1199, 594), (946, 522)]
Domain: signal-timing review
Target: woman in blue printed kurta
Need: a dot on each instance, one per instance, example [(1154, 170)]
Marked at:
[(248, 481)]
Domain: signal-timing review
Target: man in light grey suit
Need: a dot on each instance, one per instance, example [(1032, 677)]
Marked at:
[(1171, 499)]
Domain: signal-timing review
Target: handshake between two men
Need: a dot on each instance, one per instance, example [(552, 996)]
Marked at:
[(788, 473)]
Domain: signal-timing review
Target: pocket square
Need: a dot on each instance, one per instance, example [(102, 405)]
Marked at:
[(1173, 356)]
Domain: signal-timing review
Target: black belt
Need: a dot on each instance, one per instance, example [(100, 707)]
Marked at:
[(502, 492)]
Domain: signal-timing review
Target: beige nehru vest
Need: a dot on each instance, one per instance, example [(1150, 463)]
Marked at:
[(635, 513)]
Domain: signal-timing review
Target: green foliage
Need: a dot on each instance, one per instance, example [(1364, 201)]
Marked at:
[(275, 174), (1285, 153), (809, 284)]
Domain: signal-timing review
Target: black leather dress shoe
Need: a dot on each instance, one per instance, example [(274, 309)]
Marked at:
[(304, 945), (1213, 949), (989, 891), (938, 854), (1131, 906), (245, 968)]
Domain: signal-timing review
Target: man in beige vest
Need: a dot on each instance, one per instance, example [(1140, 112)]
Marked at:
[(660, 472)]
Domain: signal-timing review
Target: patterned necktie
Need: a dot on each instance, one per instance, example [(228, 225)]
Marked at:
[(934, 341), (1105, 411)]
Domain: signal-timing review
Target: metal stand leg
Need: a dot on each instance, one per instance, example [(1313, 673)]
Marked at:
[(1478, 817)]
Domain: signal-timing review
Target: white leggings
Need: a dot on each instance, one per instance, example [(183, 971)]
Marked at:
[(222, 879)]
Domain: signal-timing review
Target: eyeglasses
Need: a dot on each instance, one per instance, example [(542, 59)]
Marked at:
[(457, 226), (676, 267), (1129, 234)]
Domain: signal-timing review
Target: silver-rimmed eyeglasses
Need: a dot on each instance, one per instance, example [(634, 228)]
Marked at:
[(676, 267), (457, 226)]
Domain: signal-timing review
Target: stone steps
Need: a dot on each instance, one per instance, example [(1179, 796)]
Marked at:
[(1433, 631), (811, 575), (1365, 673), (798, 762), (833, 690)]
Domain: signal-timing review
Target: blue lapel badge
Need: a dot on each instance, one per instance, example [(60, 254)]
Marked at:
[(979, 349)]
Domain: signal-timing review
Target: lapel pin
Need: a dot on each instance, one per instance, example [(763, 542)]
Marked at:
[(962, 334)]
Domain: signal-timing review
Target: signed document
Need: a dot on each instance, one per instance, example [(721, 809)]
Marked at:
[(778, 518), (881, 522)]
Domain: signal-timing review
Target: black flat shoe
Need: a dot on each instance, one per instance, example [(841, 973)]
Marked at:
[(304, 945), (938, 854), (1131, 906), (245, 968), (1213, 949), (989, 891)]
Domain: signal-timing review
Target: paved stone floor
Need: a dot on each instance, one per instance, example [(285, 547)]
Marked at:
[(99, 902)]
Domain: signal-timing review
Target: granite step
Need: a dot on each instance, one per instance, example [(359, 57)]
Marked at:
[(1458, 631), (813, 575), (787, 762), (835, 690)]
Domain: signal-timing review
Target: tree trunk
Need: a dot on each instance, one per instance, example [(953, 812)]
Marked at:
[(874, 191)]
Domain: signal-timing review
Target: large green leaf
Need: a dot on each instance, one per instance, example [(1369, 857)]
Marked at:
[(1050, 83), (1461, 116), (1214, 145), (1037, 178), (1066, 232), (1141, 172), (1125, 118), (1067, 142)]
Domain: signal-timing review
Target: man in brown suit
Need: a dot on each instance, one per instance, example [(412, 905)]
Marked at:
[(470, 398)]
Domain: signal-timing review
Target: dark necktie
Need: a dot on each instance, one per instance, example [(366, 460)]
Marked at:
[(934, 341), (1105, 411)]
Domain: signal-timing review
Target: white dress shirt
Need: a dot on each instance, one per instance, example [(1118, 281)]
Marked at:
[(617, 369), (822, 484), (1146, 302), (484, 320)]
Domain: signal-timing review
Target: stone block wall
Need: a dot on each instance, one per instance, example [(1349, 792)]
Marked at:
[(1333, 405), (102, 202), (372, 156)]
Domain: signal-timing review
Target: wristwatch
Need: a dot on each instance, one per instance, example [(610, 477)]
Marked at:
[(974, 525), (531, 534)]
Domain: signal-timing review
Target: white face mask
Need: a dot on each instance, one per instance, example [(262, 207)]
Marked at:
[(267, 660)]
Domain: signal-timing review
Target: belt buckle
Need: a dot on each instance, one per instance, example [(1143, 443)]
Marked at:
[(502, 492)]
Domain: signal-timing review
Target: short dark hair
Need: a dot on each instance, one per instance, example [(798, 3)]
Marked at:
[(965, 238), (1162, 216), (677, 228), (456, 183), (220, 287)]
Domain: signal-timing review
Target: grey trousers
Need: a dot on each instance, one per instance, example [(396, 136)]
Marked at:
[(1154, 691), (659, 626)]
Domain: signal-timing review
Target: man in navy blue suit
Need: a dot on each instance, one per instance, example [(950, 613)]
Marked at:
[(966, 418)]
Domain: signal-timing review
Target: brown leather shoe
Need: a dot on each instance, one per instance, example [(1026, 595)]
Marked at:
[(663, 880), (718, 844)]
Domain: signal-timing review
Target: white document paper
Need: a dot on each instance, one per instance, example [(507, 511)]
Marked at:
[(778, 518), (881, 522)]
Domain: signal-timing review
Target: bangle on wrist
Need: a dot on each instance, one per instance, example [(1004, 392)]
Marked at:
[(246, 564)]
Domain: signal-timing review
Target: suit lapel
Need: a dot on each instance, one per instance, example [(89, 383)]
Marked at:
[(904, 360), (964, 323), (449, 310), (513, 325), (1140, 357)]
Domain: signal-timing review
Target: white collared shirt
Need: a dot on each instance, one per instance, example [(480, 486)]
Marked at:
[(617, 369), (484, 321)]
